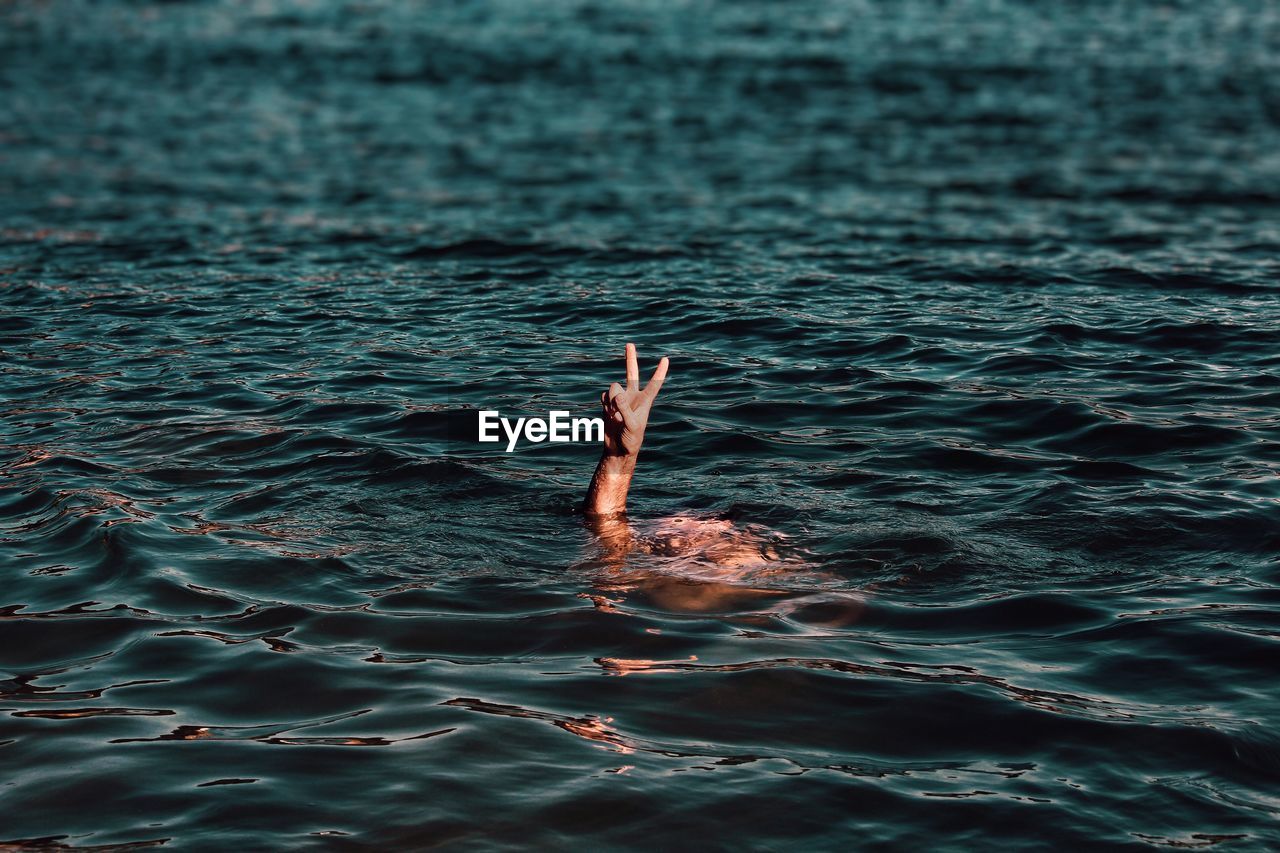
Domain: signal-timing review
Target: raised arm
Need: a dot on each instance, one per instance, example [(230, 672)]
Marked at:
[(626, 413)]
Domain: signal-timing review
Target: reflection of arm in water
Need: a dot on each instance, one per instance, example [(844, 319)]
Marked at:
[(626, 413)]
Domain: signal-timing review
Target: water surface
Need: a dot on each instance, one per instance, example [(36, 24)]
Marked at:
[(973, 303)]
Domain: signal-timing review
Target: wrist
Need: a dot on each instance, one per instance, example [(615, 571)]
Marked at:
[(620, 462)]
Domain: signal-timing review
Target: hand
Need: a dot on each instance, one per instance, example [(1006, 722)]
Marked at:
[(626, 410)]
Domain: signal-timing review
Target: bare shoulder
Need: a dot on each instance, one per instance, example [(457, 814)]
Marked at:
[(708, 542)]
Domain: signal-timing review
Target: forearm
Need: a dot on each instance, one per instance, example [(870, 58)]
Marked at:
[(607, 494)]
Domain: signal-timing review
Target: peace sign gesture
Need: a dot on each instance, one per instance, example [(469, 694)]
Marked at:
[(626, 411)]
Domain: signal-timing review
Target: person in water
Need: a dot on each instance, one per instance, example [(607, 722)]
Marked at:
[(693, 542), (690, 563)]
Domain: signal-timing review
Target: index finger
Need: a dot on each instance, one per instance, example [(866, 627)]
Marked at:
[(655, 381), (633, 369)]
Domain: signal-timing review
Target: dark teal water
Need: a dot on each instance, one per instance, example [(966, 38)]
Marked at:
[(975, 304)]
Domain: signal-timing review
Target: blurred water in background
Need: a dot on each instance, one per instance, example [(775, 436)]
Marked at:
[(973, 302)]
